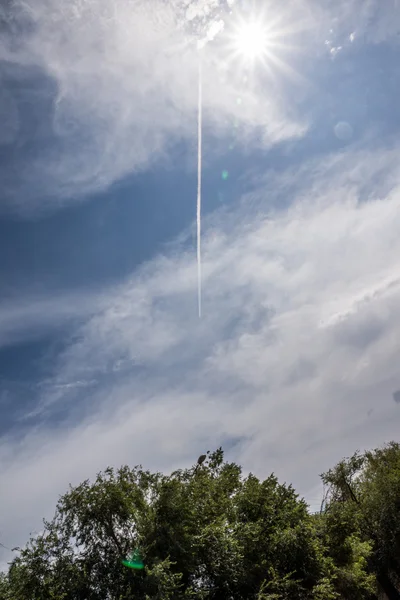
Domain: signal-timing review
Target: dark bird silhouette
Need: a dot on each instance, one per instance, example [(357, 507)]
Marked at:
[(201, 459)]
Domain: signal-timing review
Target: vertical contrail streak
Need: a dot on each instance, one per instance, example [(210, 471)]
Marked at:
[(198, 212)]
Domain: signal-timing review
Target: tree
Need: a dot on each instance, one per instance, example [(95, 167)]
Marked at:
[(5, 593), (203, 534), (362, 510)]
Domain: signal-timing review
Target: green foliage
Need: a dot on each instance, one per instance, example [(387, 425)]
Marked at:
[(362, 521), (5, 592), (208, 533)]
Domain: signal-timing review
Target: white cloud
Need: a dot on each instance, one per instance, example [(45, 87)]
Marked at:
[(299, 341), (370, 21), (121, 91)]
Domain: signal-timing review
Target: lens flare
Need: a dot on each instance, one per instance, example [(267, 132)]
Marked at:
[(134, 561)]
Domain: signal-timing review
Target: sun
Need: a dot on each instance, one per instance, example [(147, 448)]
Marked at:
[(259, 47), (260, 39), (251, 40)]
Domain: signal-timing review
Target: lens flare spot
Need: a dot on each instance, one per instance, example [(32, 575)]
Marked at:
[(134, 561), (343, 131)]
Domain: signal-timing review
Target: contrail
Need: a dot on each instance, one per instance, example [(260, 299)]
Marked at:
[(199, 152)]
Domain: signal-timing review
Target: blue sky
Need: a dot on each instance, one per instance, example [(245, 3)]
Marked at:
[(103, 359)]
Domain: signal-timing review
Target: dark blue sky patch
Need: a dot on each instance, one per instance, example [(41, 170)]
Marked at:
[(22, 367)]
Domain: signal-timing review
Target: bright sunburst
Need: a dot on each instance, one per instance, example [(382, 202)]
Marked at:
[(261, 38), (251, 40)]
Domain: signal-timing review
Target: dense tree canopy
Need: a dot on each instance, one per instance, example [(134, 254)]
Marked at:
[(211, 533), (363, 503)]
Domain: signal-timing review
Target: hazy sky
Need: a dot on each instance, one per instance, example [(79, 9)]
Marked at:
[(103, 359)]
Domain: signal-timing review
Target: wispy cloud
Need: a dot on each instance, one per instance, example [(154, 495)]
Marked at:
[(34, 316), (118, 89)]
